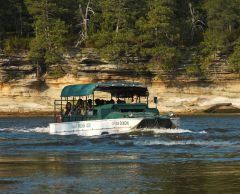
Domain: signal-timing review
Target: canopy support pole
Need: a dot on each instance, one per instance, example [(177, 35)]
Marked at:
[(86, 106), (61, 107), (73, 107), (55, 111)]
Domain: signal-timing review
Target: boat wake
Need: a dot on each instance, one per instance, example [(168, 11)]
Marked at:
[(171, 131), (142, 131), (26, 130), (156, 142)]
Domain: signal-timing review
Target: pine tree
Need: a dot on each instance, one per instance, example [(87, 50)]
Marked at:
[(47, 47), (223, 25), (234, 59), (117, 33), (159, 35)]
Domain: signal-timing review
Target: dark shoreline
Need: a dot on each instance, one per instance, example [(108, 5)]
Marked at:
[(50, 114), (26, 114)]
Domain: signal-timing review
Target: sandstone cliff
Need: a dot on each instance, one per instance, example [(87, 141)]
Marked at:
[(21, 92)]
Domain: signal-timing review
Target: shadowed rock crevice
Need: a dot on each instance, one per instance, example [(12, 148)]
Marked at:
[(223, 108)]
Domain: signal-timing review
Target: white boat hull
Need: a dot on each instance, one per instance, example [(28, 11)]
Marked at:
[(95, 127)]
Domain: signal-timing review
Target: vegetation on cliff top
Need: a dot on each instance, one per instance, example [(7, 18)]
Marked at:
[(154, 32)]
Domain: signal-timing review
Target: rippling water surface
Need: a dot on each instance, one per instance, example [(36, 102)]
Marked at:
[(203, 156)]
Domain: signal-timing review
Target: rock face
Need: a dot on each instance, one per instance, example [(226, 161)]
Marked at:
[(223, 108), (28, 95), (25, 94)]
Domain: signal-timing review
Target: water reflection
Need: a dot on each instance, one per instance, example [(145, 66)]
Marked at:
[(200, 158), (61, 175)]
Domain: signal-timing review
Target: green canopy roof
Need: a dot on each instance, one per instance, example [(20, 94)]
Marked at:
[(78, 90), (117, 89)]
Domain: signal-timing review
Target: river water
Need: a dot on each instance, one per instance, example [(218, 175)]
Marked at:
[(203, 156)]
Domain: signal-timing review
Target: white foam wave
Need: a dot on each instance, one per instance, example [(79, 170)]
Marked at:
[(155, 131), (27, 130), (177, 130), (188, 142)]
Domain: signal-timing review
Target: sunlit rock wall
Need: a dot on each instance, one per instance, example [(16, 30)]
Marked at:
[(25, 93)]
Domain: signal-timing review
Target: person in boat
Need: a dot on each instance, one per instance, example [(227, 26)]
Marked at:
[(97, 102), (135, 99), (68, 109), (89, 108), (89, 104), (120, 101), (79, 107), (112, 101)]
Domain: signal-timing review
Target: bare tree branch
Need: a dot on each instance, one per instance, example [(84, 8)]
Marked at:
[(195, 21), (83, 33)]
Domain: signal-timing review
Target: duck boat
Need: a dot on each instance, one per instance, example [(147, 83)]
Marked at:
[(78, 112)]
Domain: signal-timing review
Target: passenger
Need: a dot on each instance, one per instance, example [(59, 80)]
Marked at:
[(121, 101), (112, 101), (68, 109), (135, 99), (89, 108), (79, 106), (89, 104), (102, 102), (97, 102)]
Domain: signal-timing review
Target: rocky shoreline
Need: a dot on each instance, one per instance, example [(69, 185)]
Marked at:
[(50, 114), (28, 97), (22, 93)]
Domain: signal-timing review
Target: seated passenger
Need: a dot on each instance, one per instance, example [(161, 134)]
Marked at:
[(97, 102), (135, 99), (68, 109), (121, 101), (102, 102), (112, 101), (79, 106), (89, 104), (89, 107)]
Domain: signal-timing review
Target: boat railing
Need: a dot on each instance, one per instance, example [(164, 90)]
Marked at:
[(59, 112)]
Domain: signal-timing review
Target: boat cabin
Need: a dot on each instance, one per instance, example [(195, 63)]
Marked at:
[(83, 102)]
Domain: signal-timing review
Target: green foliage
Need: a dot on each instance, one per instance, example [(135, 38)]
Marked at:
[(153, 32), (15, 44), (234, 59), (56, 72), (47, 46), (14, 19), (193, 70), (159, 35), (223, 25), (165, 58), (115, 46), (12, 75)]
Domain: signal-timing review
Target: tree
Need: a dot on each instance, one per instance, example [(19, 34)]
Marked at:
[(84, 15), (15, 21), (116, 37), (159, 34), (223, 25), (234, 59), (47, 47)]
